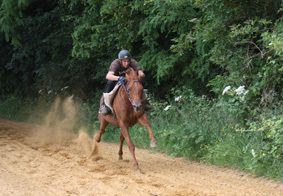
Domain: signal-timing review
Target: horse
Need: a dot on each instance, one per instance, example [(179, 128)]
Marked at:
[(129, 109)]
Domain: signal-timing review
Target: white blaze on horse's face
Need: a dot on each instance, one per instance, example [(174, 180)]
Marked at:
[(134, 89), (136, 94)]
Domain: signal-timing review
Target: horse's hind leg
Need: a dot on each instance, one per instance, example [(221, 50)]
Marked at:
[(145, 122), (102, 126), (121, 146)]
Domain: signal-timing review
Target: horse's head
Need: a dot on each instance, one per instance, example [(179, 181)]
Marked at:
[(134, 89)]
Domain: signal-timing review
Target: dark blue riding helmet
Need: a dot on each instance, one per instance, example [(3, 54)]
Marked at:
[(124, 54)]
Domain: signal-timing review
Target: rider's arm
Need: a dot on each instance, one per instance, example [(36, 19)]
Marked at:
[(110, 76)]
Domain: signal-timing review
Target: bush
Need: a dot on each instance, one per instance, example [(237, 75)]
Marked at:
[(16, 108)]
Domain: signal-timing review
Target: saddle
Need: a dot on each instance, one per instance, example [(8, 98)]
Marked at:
[(108, 97)]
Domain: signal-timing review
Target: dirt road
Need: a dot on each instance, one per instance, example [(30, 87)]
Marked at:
[(29, 166)]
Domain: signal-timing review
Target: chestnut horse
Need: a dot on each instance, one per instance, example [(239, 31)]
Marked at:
[(129, 109)]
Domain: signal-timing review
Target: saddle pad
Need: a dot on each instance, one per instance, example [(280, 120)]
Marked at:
[(108, 97)]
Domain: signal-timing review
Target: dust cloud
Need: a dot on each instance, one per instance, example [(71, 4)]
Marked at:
[(59, 128), (88, 145)]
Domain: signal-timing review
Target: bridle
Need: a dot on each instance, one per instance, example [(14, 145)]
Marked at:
[(128, 90)]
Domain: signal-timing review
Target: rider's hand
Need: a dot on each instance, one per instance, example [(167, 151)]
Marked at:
[(141, 75), (122, 80)]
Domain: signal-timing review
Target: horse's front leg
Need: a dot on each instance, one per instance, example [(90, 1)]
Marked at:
[(131, 146), (102, 125), (121, 146), (145, 122)]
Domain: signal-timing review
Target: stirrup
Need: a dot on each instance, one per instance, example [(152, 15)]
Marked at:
[(145, 94), (146, 98), (104, 110)]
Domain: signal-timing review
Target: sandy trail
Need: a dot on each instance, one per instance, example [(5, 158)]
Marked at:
[(29, 167)]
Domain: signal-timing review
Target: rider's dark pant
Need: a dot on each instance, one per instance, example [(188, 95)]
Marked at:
[(109, 86)]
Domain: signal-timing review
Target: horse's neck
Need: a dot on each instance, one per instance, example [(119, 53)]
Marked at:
[(122, 94)]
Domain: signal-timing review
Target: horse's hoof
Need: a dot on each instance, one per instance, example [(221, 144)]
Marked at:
[(120, 158), (97, 138), (136, 167), (139, 171), (153, 144)]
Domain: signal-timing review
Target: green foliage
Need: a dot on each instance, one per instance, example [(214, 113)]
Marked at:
[(44, 61), (198, 126), (11, 18), (16, 108), (231, 150), (207, 42), (214, 132), (270, 129), (162, 61), (256, 148), (163, 32)]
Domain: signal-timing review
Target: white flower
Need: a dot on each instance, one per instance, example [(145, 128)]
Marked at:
[(226, 89), (177, 99), (241, 90), (253, 153), (167, 107), (50, 91), (40, 91), (193, 20), (64, 88)]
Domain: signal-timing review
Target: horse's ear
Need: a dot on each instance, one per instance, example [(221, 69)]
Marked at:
[(129, 70), (127, 73)]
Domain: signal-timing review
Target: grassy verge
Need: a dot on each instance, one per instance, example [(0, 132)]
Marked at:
[(16, 108), (215, 132)]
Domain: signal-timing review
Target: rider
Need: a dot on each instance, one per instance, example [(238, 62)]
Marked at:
[(116, 73)]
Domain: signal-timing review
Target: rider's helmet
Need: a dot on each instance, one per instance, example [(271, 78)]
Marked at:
[(124, 54)]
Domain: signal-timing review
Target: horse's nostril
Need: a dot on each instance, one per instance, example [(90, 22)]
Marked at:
[(136, 105)]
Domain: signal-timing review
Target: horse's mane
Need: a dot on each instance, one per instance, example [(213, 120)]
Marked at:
[(131, 74)]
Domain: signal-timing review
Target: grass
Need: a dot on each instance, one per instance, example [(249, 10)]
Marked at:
[(15, 108), (208, 132)]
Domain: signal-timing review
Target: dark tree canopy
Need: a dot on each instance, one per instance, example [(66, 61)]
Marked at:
[(201, 45)]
